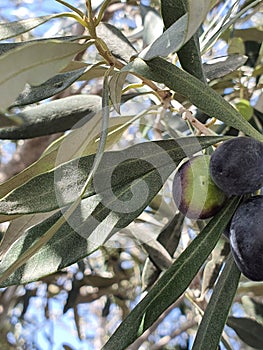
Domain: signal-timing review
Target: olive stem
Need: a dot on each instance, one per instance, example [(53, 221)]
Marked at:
[(201, 128)]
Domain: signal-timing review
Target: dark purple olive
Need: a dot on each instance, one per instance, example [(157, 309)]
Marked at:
[(194, 192), (246, 238), (237, 166)]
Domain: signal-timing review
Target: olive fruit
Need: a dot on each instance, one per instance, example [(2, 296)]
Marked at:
[(246, 238), (236, 166), (194, 192)]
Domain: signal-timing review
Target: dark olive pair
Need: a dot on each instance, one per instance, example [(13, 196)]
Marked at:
[(201, 186)]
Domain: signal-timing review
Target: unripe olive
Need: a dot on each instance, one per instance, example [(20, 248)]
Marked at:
[(246, 238), (194, 192), (237, 166)]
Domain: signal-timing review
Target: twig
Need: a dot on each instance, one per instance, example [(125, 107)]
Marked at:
[(200, 127), (165, 340)]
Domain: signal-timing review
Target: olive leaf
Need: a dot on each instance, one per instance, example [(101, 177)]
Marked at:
[(38, 62), (169, 238), (215, 316), (178, 33), (200, 94), (17, 228), (250, 286), (170, 41), (80, 142), (116, 41), (221, 66), (12, 29), (172, 283), (189, 54), (5, 47), (152, 24), (32, 94), (157, 252), (116, 84), (253, 308), (248, 330), (53, 117)]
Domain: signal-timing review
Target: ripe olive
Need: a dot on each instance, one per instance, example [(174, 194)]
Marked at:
[(237, 166), (246, 238), (194, 192)]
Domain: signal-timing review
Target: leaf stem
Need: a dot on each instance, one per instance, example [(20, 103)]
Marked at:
[(73, 15), (90, 20), (104, 5), (73, 8)]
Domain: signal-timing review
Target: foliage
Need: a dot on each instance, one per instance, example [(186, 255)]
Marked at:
[(95, 184)]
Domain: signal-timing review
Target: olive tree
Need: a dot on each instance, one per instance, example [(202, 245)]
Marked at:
[(110, 113)]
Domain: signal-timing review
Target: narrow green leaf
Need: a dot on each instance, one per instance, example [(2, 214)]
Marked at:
[(215, 316), (51, 87), (158, 254), (73, 241), (119, 169), (37, 62), (170, 41), (52, 117), (74, 65), (190, 58), (189, 55), (173, 282), (201, 95), (169, 237), (197, 13), (12, 29), (219, 67), (150, 274), (253, 308), (227, 20), (116, 41), (17, 228), (178, 33), (5, 47), (248, 330), (152, 24), (80, 142), (72, 8), (115, 86), (105, 113), (93, 72), (103, 213)]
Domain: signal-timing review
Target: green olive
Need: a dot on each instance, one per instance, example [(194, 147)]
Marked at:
[(194, 192)]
